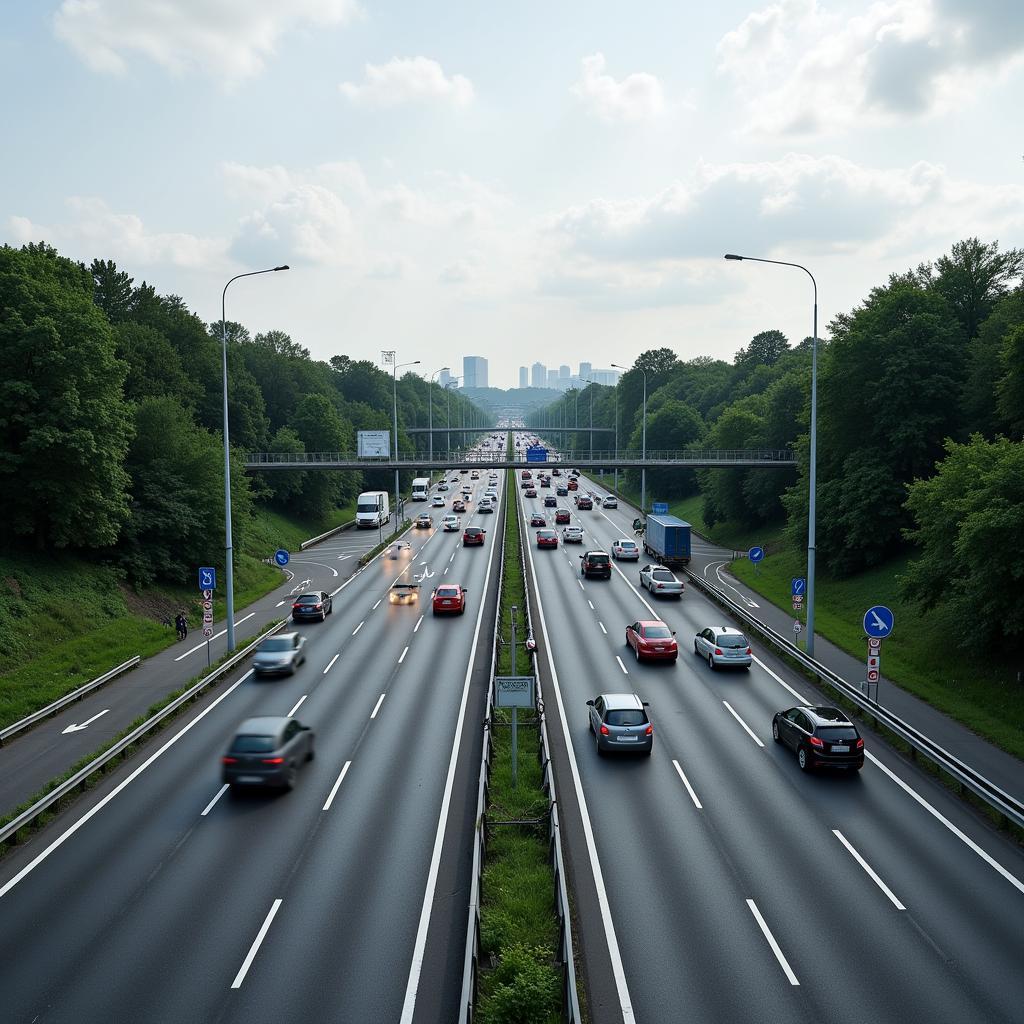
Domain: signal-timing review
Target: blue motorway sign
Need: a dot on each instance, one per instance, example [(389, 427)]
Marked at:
[(799, 586), (660, 508), (207, 577), (281, 556), (755, 554), (536, 454), (878, 621)]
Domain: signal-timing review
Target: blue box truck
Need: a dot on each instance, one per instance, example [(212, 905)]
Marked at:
[(667, 539)]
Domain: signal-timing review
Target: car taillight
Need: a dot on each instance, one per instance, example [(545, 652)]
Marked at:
[(860, 745), (660, 585), (749, 651), (816, 742), (229, 760), (649, 731), (273, 760), (604, 730), (718, 651)]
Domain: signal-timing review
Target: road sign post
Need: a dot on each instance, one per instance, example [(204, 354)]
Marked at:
[(797, 630), (756, 555), (659, 508)]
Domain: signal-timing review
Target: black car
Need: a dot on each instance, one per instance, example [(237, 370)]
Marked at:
[(550, 501), (312, 606), (822, 738), (562, 492), (267, 752), (596, 563)]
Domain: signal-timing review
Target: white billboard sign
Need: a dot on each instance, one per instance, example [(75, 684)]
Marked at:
[(374, 444)]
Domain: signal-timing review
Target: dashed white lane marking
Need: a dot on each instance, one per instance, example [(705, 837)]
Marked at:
[(689, 788), (781, 682), (603, 630), (591, 603), (376, 707), (746, 727), (867, 867), (298, 704), (623, 667), (330, 664), (783, 962), (374, 608), (402, 656), (336, 786), (359, 627), (209, 807), (254, 948), (580, 582), (418, 624)]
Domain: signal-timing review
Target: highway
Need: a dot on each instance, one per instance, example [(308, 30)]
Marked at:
[(160, 897), (738, 888)]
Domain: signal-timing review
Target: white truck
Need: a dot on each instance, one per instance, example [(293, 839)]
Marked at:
[(421, 488), (372, 509)]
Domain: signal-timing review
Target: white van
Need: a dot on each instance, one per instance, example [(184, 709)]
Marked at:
[(372, 509), (421, 488)]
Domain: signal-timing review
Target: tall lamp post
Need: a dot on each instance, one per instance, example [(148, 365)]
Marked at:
[(389, 357), (430, 417), (228, 553), (813, 457), (454, 382), (643, 469), (588, 383)]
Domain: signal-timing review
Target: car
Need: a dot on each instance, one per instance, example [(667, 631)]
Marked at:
[(474, 475), (661, 581), (473, 535), (625, 550), (547, 539), (572, 535), (572, 485), (610, 501), (723, 646), (550, 501), (443, 485), (458, 505), (485, 506), (584, 502), (467, 494), (537, 519), (404, 593), (526, 485), (280, 653), (556, 471), (449, 599), (423, 521), (437, 501), (450, 524), (312, 606), (619, 721), (526, 474), (596, 563), (531, 492), (823, 737), (562, 491), (491, 493), (561, 516), (455, 479), (652, 640), (267, 752), (545, 481)]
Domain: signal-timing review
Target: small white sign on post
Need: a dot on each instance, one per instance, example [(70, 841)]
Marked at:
[(514, 691), (374, 444)]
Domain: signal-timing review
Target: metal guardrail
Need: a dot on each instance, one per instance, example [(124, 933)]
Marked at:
[(327, 533), (69, 785), (1008, 807), (68, 698)]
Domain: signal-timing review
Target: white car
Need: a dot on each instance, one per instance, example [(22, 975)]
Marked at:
[(625, 550), (661, 581), (572, 535), (451, 523), (474, 475), (610, 501), (485, 505), (491, 493), (443, 485), (437, 501)]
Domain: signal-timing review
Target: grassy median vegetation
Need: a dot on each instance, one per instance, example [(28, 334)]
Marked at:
[(519, 926)]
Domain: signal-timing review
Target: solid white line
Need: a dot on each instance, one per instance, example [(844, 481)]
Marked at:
[(376, 707), (771, 942), (744, 724), (591, 603), (739, 593), (200, 646), (781, 682), (689, 788), (254, 949), (603, 630), (59, 841), (401, 657), (336, 786), (374, 608), (298, 704), (241, 620), (867, 867), (623, 667), (1012, 879), (330, 664), (418, 624), (359, 627), (220, 792)]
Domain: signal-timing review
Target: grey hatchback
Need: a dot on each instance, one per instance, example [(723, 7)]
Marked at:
[(723, 646), (619, 721), (267, 752), (284, 652)]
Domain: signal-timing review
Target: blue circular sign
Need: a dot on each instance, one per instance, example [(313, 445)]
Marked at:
[(281, 557), (878, 621), (755, 554)]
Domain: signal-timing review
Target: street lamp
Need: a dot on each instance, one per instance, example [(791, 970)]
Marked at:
[(228, 555), (813, 457), (395, 367), (643, 469), (430, 417), (454, 382), (588, 383)]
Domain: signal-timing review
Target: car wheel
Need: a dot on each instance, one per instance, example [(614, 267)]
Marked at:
[(636, 650), (309, 753), (600, 752), (803, 758), (289, 779), (292, 668), (695, 651), (323, 615), (775, 731), (711, 662), (647, 753)]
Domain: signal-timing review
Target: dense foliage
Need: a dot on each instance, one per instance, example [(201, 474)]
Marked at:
[(111, 407)]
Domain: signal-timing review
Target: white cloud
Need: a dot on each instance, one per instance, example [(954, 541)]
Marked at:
[(802, 69), (226, 38), (456, 273), (408, 80), (637, 97)]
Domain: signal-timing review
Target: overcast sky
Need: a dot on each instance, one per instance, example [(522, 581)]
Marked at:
[(537, 181)]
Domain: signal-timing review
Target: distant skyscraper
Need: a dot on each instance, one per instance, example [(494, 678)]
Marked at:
[(444, 378), (563, 373), (538, 375), (587, 371), (553, 379), (607, 377), (524, 377), (474, 372)]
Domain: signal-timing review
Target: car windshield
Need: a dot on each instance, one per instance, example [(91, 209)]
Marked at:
[(546, 534), (447, 592), (663, 574), (253, 744), (732, 640), (277, 643), (626, 716), (598, 559), (309, 599), (627, 545), (367, 506), (837, 733), (657, 632)]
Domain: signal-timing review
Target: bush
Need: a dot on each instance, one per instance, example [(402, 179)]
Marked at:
[(526, 988)]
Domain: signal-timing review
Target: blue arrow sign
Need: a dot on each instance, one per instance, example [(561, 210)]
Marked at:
[(799, 586), (755, 554), (281, 556), (207, 577), (878, 621), (660, 508)]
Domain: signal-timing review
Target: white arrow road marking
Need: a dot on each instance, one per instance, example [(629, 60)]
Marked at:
[(322, 566), (84, 725), (341, 557), (721, 579)]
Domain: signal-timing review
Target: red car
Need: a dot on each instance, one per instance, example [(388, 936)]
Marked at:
[(547, 539), (652, 639), (473, 535), (538, 520), (449, 598), (584, 502), (526, 475), (531, 492), (561, 515), (572, 484)]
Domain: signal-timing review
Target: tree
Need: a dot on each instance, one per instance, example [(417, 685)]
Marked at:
[(281, 344), (112, 290), (973, 277), (984, 364), (321, 429), (1010, 389), (154, 366), (64, 424), (765, 349), (283, 486)]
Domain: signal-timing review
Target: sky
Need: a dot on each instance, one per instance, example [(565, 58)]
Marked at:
[(537, 182)]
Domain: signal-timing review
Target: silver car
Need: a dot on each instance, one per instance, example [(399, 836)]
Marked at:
[(572, 535), (619, 722), (267, 752), (723, 646), (625, 550), (610, 501), (280, 654), (661, 581)]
